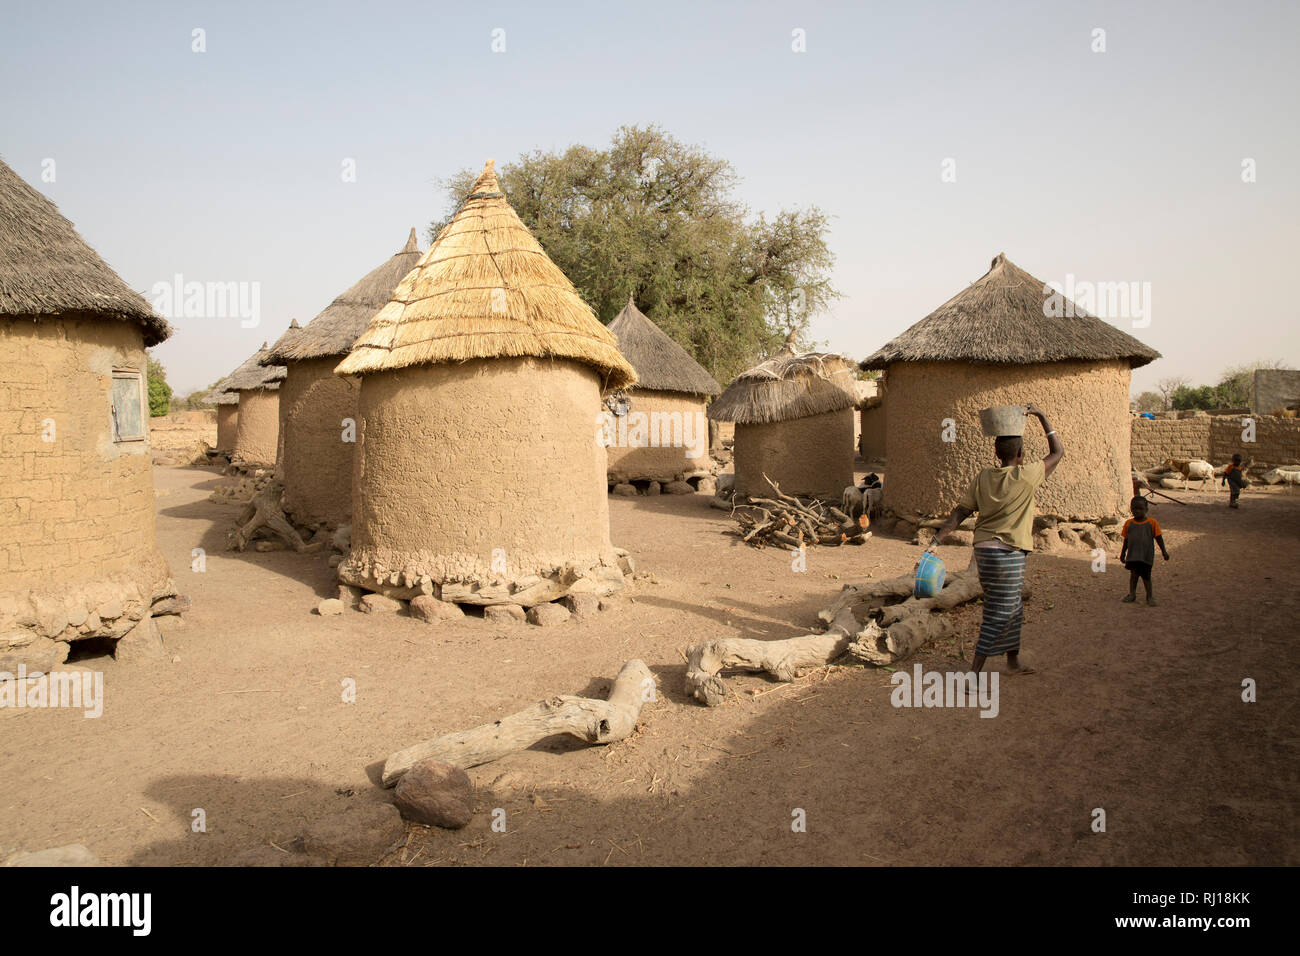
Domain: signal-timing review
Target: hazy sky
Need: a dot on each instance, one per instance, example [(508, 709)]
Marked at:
[(1119, 166)]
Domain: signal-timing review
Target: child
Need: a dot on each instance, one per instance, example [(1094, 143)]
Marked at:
[(1141, 535), (1234, 476)]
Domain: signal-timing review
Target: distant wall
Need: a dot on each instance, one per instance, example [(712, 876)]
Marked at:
[(871, 440), (805, 456), (1215, 438), (227, 425), (315, 461), (663, 463), (1274, 388)]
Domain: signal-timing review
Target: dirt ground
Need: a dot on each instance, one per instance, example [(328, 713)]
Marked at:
[(180, 431), (1135, 710)]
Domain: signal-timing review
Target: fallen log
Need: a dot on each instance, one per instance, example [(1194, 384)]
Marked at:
[(782, 659), (265, 511), (595, 721)]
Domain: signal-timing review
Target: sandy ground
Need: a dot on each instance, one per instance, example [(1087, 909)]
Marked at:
[(180, 431), (1135, 710)]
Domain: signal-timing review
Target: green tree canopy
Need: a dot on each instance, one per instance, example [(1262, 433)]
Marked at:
[(160, 393), (656, 218)]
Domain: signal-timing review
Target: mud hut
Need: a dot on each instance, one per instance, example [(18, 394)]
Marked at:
[(1008, 339), (478, 475), (794, 416), (657, 429), (318, 409), (78, 558), (257, 426), (227, 404)]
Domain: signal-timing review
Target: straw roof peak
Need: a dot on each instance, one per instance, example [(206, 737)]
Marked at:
[(1008, 317), (47, 268), (661, 364), (256, 372), (331, 333), (486, 289), (788, 385)]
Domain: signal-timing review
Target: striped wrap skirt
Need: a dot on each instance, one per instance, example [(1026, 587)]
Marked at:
[(1002, 575)]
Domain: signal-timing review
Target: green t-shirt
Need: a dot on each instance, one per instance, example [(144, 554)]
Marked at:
[(1004, 500)]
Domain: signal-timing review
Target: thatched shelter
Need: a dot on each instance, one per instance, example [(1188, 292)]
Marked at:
[(1008, 339), (257, 428), (478, 476), (318, 409), (658, 432), (78, 558), (794, 416)]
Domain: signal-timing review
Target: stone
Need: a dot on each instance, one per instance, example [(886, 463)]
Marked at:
[(77, 616), (109, 610), (329, 607), (626, 564), (39, 655), (171, 605), (435, 794), (679, 488), (335, 560), (626, 490), (357, 836), (504, 614), (51, 615), (141, 643), (1043, 522), (1047, 540), (74, 854), (1070, 537), (547, 615), (341, 540), (582, 605), (349, 595), (430, 610), (371, 603), (960, 537), (654, 488), (613, 603), (707, 486)]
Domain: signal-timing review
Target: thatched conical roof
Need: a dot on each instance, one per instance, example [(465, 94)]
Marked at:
[(1002, 318), (661, 364), (486, 289), (219, 394), (253, 374), (46, 268), (333, 331), (788, 385)]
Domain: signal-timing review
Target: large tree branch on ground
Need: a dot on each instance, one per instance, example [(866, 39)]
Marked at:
[(265, 511), (595, 721), (866, 621)]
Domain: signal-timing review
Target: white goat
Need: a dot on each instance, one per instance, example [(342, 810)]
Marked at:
[(1192, 469)]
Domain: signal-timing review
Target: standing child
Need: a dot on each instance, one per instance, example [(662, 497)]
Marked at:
[(1234, 476), (1141, 535)]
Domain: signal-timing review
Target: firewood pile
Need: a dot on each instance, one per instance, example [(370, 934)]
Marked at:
[(788, 522)]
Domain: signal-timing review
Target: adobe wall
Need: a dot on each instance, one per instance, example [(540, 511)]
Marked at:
[(662, 464), (1151, 441), (1087, 402), (315, 462), (77, 550), (1274, 389), (227, 423), (871, 441), (810, 456), (257, 430), (456, 460), (1215, 438)]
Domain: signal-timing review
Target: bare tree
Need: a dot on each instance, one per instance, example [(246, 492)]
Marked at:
[(1167, 387)]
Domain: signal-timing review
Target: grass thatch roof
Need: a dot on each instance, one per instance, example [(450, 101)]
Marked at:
[(1002, 319), (486, 289), (333, 331), (46, 268), (253, 374), (661, 364), (787, 386)]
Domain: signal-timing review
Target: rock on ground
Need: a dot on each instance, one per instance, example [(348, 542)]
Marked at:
[(504, 614), (626, 490), (435, 794), (141, 643), (356, 836), (679, 488), (547, 615), (582, 605), (371, 603), (707, 486), (430, 610), (328, 607)]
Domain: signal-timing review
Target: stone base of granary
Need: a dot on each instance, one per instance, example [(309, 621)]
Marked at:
[(601, 578)]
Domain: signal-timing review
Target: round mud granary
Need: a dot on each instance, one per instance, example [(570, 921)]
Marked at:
[(1004, 341), (227, 418), (657, 430), (257, 423), (479, 477), (794, 418), (318, 409), (78, 558)]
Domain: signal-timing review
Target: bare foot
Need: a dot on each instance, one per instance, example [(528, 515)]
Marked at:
[(1020, 670), (1129, 598)]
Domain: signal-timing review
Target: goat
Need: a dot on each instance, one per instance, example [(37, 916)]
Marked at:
[(1191, 469), (862, 501)]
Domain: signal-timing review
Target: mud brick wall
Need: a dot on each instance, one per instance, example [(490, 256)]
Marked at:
[(667, 462), (1274, 389), (1152, 441), (315, 462), (1277, 441), (805, 456), (78, 509)]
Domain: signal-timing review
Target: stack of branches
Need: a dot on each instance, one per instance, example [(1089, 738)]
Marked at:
[(789, 522)]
